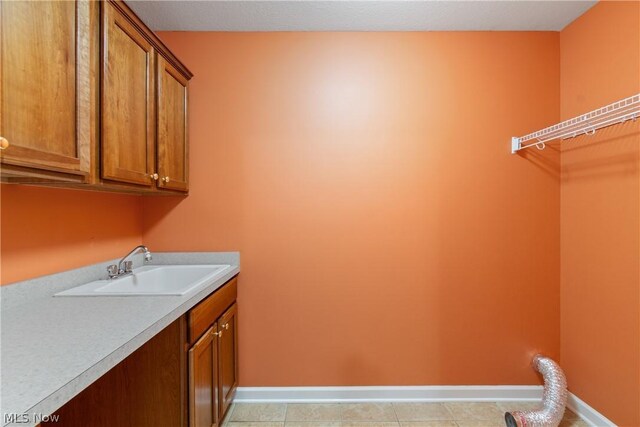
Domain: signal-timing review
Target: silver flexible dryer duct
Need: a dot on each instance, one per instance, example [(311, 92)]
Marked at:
[(554, 398)]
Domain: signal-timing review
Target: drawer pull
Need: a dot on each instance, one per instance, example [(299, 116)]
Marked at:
[(4, 143)]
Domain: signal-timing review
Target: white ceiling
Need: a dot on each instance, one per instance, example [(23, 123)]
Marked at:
[(362, 15)]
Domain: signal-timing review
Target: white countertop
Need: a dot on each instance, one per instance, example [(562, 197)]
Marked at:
[(54, 347)]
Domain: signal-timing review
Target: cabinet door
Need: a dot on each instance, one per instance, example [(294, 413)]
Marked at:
[(45, 85), (228, 357), (173, 156), (203, 392), (128, 122)]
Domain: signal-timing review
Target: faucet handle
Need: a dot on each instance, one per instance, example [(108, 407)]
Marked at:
[(128, 266), (112, 271)]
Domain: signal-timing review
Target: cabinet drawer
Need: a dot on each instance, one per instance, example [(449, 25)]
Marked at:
[(203, 315)]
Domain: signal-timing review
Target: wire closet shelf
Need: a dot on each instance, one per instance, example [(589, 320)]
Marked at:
[(586, 124)]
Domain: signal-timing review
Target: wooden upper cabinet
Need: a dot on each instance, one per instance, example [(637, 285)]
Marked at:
[(45, 90), (227, 357), (203, 390), (90, 98), (173, 155), (127, 101)]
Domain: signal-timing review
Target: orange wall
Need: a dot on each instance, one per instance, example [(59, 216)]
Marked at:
[(600, 215), (387, 234), (46, 230)]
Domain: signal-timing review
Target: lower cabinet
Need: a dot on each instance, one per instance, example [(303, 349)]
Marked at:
[(227, 357), (186, 375), (213, 357), (203, 380)]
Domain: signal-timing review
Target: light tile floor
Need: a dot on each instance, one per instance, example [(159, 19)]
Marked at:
[(468, 414)]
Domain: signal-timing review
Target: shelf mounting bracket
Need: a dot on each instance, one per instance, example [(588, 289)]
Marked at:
[(515, 144)]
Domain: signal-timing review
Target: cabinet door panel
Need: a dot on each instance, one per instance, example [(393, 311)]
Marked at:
[(228, 357), (45, 85), (127, 101), (203, 392), (173, 156)]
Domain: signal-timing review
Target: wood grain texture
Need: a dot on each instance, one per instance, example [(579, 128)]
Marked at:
[(144, 390), (172, 136), (128, 100), (203, 380), (207, 312), (227, 358), (45, 107), (84, 119), (96, 85), (152, 37)]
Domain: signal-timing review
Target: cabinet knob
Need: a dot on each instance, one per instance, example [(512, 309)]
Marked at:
[(226, 326), (165, 179), (4, 143), (154, 176)]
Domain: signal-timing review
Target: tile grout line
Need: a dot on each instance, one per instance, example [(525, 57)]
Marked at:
[(230, 415), (393, 407), (286, 410), (450, 412)]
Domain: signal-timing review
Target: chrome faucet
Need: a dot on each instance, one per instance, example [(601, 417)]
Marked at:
[(125, 267)]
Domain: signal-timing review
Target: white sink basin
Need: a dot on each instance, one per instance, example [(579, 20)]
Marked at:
[(152, 280)]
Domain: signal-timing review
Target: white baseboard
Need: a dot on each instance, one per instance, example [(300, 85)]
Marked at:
[(587, 413), (414, 394), (389, 394)]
